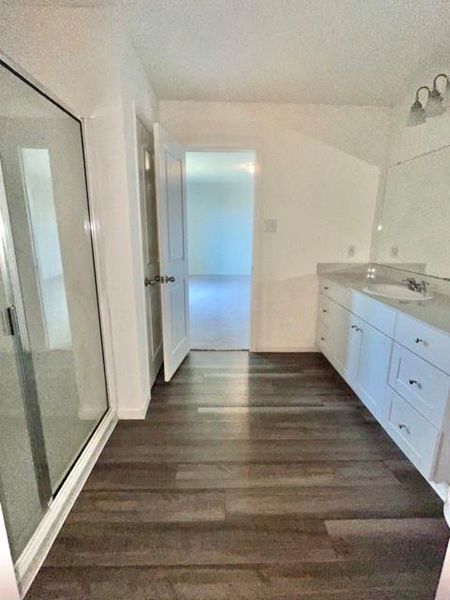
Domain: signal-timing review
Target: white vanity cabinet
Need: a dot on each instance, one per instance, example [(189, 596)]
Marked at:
[(398, 366), (359, 351), (370, 381), (338, 338)]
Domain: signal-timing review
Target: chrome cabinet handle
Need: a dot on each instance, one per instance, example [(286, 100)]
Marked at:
[(419, 341), (169, 278), (413, 382), (402, 426)]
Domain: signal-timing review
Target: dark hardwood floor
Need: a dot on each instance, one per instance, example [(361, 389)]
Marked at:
[(254, 477)]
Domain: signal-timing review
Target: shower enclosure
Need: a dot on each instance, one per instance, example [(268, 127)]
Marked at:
[(52, 377)]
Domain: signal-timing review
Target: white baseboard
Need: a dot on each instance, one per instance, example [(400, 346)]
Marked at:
[(133, 413), (31, 559), (441, 489), (285, 349)]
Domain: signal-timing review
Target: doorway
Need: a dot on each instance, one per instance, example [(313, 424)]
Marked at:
[(220, 200)]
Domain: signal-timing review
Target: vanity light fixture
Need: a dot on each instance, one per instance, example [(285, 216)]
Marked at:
[(417, 114), (436, 104)]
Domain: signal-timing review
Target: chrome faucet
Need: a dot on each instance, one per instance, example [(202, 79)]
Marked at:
[(416, 286)]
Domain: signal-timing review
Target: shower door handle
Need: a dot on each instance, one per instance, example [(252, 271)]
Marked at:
[(11, 320)]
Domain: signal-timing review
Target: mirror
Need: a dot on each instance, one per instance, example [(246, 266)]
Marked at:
[(413, 230)]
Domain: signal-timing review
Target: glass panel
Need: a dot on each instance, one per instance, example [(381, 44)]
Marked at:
[(42, 156), (19, 492)]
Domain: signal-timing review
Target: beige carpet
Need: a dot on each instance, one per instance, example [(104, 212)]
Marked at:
[(220, 312)]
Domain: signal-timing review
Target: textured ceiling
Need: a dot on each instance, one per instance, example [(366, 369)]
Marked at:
[(324, 51)]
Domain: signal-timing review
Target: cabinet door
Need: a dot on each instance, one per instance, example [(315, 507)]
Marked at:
[(346, 342), (371, 376)]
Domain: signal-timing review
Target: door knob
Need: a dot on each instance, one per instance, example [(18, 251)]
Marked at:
[(169, 279), (156, 279)]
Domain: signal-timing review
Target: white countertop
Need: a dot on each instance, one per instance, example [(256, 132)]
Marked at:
[(434, 312)]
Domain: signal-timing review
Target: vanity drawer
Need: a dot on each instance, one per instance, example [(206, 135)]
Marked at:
[(424, 386), (340, 294), (323, 337), (424, 340), (418, 439), (326, 309)]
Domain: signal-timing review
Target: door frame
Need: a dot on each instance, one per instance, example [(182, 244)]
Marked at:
[(138, 113), (256, 217), (148, 125)]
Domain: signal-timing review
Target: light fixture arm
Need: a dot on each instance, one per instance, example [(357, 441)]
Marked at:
[(422, 87), (437, 77)]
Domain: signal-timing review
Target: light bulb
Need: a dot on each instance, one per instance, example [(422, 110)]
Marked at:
[(434, 106), (416, 115)]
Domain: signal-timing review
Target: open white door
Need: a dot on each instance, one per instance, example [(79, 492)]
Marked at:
[(172, 233)]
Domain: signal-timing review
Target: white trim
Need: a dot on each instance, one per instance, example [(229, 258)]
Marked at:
[(36, 550), (447, 512), (8, 583), (441, 490), (133, 413), (298, 349)]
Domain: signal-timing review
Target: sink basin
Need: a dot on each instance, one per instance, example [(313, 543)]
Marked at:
[(396, 292)]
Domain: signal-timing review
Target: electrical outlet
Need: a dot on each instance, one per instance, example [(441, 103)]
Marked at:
[(270, 225)]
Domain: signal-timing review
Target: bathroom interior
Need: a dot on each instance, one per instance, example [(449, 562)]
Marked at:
[(287, 436)]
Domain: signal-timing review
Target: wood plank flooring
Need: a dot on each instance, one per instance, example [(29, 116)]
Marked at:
[(254, 477)]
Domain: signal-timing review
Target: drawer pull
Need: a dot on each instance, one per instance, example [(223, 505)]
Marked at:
[(402, 427), (414, 382), (419, 341)]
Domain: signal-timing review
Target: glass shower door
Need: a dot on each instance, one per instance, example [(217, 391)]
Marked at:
[(57, 394), (23, 492)]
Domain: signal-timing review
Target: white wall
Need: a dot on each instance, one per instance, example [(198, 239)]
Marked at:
[(81, 56), (317, 175), (220, 213), (220, 228)]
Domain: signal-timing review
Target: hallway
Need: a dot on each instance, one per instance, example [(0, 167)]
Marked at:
[(254, 477), (219, 308)]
